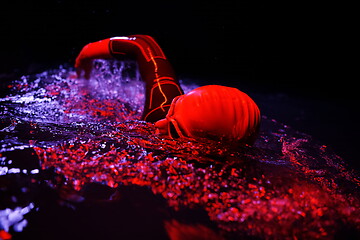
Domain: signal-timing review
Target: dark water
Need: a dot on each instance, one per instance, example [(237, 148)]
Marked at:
[(76, 163)]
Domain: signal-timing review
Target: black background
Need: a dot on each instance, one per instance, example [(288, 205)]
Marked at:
[(293, 57)]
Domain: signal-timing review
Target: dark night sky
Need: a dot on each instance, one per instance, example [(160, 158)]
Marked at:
[(301, 49), (275, 44)]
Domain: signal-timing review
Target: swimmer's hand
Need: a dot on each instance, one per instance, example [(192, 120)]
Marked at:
[(95, 50), (83, 64)]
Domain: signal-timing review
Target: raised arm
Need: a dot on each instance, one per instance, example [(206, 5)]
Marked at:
[(153, 64), (156, 71)]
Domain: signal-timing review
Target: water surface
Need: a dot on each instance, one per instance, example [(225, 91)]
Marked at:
[(76, 162)]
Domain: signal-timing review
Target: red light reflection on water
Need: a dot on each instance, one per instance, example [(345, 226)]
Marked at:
[(286, 186), (242, 193)]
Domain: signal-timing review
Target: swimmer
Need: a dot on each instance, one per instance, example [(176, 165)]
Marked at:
[(213, 111)]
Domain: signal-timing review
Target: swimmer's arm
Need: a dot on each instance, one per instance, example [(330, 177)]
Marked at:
[(95, 50)]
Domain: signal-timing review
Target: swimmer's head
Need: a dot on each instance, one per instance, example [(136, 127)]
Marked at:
[(213, 112)]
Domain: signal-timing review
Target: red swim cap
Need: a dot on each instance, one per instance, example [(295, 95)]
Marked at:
[(215, 112)]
